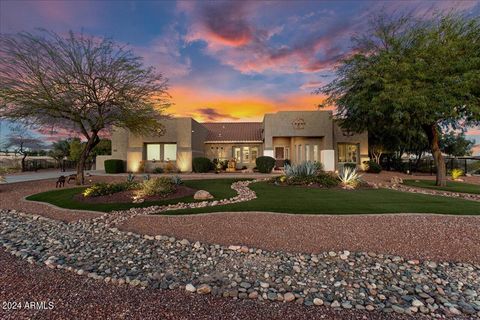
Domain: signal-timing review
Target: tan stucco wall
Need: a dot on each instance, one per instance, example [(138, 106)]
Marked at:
[(357, 138), (317, 124)]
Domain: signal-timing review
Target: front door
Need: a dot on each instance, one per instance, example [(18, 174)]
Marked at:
[(279, 156)]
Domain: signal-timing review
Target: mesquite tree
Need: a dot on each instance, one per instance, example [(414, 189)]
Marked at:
[(411, 75), (22, 142), (79, 83)]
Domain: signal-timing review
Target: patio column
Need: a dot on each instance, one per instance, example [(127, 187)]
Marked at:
[(327, 158)]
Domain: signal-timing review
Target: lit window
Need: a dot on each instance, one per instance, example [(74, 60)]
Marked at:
[(170, 152), (315, 153), (153, 152), (254, 152), (246, 154), (347, 152), (236, 154), (307, 152)]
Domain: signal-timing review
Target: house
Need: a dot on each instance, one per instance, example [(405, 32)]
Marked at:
[(296, 136)]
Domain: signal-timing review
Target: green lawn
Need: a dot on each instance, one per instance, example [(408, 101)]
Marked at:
[(294, 200), (452, 186), (64, 198)]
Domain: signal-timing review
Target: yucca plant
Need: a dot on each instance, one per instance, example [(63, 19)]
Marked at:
[(456, 173), (349, 178)]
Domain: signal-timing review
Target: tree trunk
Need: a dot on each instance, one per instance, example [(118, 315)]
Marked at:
[(91, 143), (23, 162), (433, 140)]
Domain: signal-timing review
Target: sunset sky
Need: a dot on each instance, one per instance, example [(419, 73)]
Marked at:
[(226, 61)]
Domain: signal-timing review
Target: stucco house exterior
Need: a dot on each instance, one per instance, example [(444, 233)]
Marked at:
[(294, 135)]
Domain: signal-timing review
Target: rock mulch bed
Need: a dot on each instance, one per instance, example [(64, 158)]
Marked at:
[(244, 193), (404, 188), (340, 280)]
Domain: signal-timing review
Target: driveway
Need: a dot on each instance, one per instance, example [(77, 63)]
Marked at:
[(33, 176)]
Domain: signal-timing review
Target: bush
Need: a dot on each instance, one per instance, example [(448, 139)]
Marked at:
[(202, 165), (158, 170), (322, 179), (456, 173), (103, 189), (220, 164), (113, 166), (265, 164), (176, 180), (351, 165), (157, 186), (373, 167)]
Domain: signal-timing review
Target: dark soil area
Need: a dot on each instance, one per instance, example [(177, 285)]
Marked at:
[(127, 196)]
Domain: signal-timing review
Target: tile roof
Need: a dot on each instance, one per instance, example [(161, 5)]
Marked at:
[(233, 131)]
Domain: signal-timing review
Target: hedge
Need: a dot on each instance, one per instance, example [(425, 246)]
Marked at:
[(265, 164), (113, 166), (202, 165)]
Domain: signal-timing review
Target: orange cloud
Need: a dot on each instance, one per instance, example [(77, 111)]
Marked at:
[(193, 102)]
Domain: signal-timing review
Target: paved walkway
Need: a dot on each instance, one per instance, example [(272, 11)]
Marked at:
[(34, 176), (43, 175)]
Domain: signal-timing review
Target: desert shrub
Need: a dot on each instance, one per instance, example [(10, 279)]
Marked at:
[(350, 165), (327, 180), (130, 177), (176, 180), (373, 167), (170, 167), (287, 161), (201, 164), (265, 164), (220, 164), (113, 166), (103, 189), (158, 170), (304, 169), (157, 186), (349, 178), (456, 173)]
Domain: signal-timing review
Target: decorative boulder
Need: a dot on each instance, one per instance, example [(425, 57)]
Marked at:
[(202, 195)]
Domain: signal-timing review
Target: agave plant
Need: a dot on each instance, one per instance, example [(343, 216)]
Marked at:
[(349, 178), (304, 169)]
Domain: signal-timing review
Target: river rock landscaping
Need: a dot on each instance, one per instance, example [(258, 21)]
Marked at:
[(342, 280)]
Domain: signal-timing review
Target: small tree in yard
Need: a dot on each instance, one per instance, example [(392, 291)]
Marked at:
[(456, 145), (59, 151), (78, 83), (422, 75), (22, 142)]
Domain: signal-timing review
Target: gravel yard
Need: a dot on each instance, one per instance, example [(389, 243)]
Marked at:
[(340, 280), (104, 253), (77, 297)]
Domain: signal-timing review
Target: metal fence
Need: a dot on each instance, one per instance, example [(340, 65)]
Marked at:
[(469, 165)]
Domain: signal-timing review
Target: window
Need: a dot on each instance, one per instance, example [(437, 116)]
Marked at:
[(315, 153), (153, 152), (299, 153), (287, 153), (246, 154), (254, 152), (170, 152), (236, 154), (161, 152), (307, 152), (347, 152)]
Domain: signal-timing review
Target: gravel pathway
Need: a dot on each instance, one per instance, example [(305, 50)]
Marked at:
[(339, 280)]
